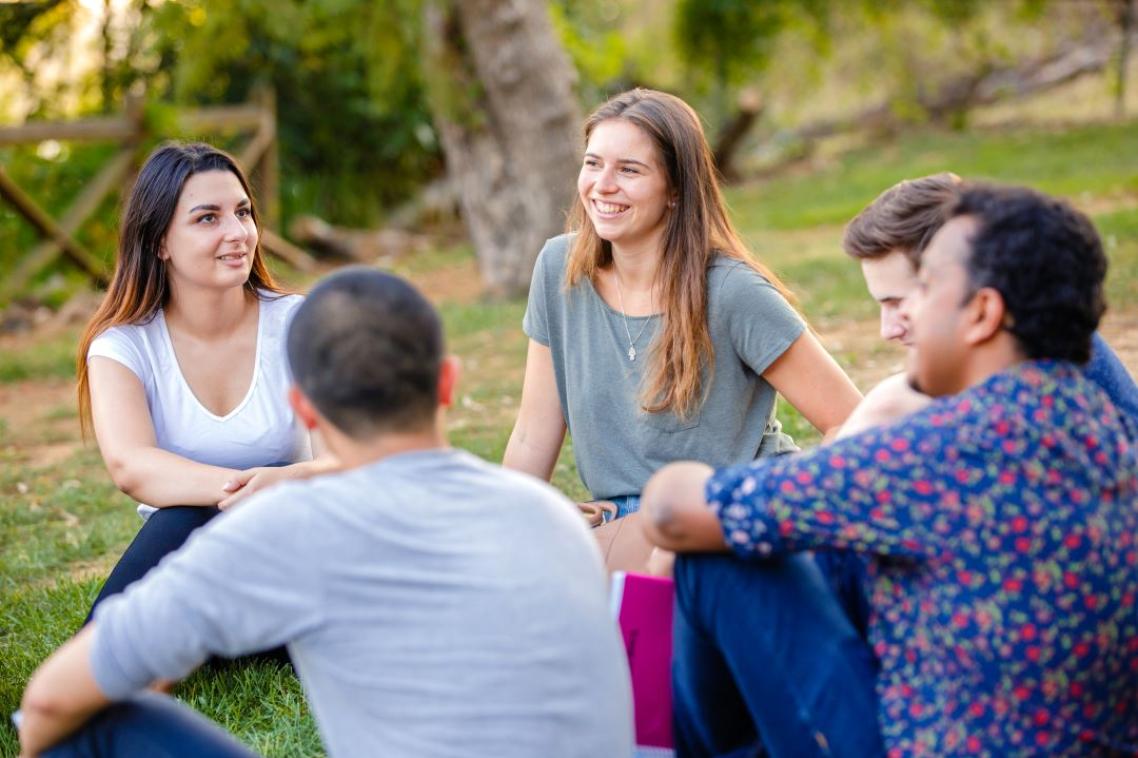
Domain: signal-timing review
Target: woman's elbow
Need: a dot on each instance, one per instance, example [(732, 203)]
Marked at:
[(124, 474)]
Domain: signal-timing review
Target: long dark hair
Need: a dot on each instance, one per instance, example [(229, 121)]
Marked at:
[(696, 229), (139, 287)]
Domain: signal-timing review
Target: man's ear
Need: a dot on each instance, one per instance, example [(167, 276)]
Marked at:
[(987, 315), (449, 371), (302, 407)]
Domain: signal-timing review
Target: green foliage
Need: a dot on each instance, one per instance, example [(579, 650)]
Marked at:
[(595, 43), (732, 40), (353, 121)]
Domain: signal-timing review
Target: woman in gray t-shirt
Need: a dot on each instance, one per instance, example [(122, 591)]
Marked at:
[(654, 336)]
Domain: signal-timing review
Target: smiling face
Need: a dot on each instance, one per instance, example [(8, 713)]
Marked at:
[(939, 312), (623, 186), (890, 279), (212, 236)]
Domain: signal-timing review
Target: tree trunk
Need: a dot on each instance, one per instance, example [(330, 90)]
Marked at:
[(1126, 22), (501, 91), (749, 107)]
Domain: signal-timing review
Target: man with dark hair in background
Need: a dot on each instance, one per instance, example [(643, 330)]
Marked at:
[(433, 604), (999, 523), (888, 238)]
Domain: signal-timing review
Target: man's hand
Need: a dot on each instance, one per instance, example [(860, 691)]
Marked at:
[(252, 480), (676, 515)]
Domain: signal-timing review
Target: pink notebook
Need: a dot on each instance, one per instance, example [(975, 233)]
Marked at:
[(643, 607)]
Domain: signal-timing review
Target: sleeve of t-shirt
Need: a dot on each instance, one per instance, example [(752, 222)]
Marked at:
[(536, 321), (117, 345), (290, 305), (762, 323), (284, 312), (239, 585), (878, 492)]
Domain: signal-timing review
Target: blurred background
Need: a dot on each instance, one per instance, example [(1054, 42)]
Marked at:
[(406, 125), (441, 139)]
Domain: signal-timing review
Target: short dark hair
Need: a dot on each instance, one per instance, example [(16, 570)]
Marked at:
[(365, 349), (904, 217), (1046, 261)]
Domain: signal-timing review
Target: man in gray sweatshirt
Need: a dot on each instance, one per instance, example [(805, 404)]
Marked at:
[(433, 604)]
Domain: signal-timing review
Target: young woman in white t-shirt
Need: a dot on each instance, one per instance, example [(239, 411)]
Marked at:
[(182, 371)]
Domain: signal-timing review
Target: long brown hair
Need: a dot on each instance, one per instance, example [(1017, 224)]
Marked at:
[(697, 229), (139, 287)]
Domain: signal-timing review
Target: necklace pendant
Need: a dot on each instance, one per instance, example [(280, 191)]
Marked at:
[(631, 353)]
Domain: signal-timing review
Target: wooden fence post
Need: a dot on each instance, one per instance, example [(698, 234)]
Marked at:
[(47, 226)]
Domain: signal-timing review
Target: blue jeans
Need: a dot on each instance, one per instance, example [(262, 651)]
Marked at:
[(766, 659), (625, 505), (165, 531), (149, 725)]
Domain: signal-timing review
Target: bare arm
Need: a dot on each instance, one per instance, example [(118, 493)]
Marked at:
[(125, 433), (812, 381), (539, 430), (60, 696), (676, 515)]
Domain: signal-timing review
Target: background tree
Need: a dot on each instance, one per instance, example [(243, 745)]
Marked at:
[(501, 90), (730, 42)]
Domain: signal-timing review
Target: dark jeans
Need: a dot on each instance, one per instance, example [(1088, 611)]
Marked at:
[(165, 531), (766, 658), (150, 725)]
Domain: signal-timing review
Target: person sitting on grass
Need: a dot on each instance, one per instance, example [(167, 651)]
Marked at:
[(655, 335), (433, 604), (1000, 524), (181, 370), (888, 238)]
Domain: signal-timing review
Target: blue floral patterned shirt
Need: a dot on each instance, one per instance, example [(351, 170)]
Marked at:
[(1003, 528)]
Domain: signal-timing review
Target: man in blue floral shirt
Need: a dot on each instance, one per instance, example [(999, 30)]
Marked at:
[(1001, 524)]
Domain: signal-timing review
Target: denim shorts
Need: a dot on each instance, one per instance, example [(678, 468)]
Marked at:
[(625, 504)]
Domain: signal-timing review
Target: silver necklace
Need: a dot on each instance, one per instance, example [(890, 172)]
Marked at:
[(624, 315)]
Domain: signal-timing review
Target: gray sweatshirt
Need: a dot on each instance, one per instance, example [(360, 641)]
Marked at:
[(433, 604)]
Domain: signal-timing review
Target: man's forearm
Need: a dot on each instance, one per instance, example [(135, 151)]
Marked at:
[(677, 516), (61, 695)]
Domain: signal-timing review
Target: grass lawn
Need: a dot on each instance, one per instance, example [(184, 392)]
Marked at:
[(62, 524)]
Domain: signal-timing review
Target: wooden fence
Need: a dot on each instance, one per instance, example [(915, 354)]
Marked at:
[(258, 157)]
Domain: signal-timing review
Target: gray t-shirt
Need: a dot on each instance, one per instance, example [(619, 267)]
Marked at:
[(433, 604), (617, 445)]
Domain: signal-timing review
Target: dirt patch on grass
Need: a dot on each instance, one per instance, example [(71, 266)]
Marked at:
[(456, 283), (33, 432)]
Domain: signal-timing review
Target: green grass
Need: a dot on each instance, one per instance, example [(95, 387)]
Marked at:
[(49, 359), (62, 526)]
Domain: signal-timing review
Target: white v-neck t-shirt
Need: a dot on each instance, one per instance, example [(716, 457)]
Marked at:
[(261, 430)]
